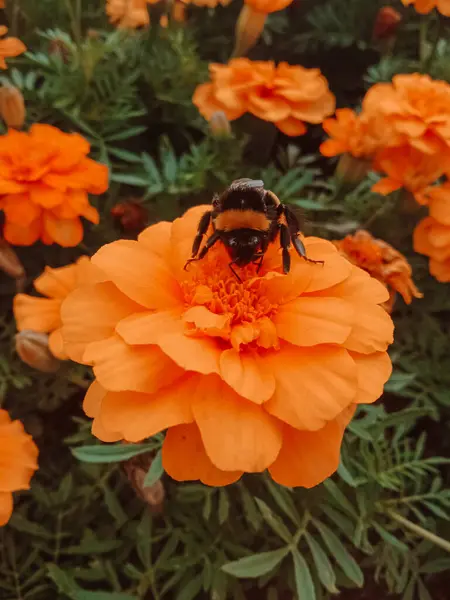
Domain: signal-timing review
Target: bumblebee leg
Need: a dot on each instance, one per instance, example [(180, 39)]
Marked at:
[(209, 243), (201, 230), (234, 272), (285, 242), (294, 230)]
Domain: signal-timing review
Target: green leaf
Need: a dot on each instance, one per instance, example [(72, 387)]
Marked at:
[(424, 594), (125, 155), (303, 579), (390, 539), (224, 506), (274, 521), (340, 554), (340, 498), (399, 381), (323, 565), (283, 497), (256, 564), (87, 595), (124, 135), (109, 453), (191, 590), (155, 471), (130, 179)]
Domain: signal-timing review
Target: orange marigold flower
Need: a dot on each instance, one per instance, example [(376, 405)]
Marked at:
[(425, 6), (438, 200), (381, 261), (45, 178), (246, 376), (415, 110), (355, 134), (9, 47), (285, 95), (409, 168), (18, 462), (433, 239), (268, 6), (43, 314)]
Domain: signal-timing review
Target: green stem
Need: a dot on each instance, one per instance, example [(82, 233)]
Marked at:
[(435, 539), (74, 16), (427, 57)]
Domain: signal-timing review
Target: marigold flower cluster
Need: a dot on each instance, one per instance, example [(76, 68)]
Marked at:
[(43, 315), (381, 261), (263, 374), (426, 6), (45, 178), (285, 95), (18, 462)]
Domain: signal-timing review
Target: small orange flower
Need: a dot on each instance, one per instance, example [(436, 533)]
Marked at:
[(386, 23), (381, 261), (355, 134), (408, 168), (268, 6), (425, 6), (129, 14), (18, 462), (433, 239), (45, 178), (284, 95), (43, 314), (245, 376), (207, 3), (415, 111), (9, 47)]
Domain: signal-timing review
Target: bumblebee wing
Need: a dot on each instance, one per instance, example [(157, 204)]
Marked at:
[(245, 182)]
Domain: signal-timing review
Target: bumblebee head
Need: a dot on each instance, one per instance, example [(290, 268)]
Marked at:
[(243, 244)]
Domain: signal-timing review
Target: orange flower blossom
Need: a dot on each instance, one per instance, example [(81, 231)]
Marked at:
[(415, 111), (129, 14), (251, 21), (432, 239), (409, 168), (263, 374), (18, 462), (285, 95), (207, 3), (381, 261), (45, 178), (9, 47), (43, 314), (425, 6)]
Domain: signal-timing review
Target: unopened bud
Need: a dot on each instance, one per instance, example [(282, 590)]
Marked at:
[(351, 169), (131, 216), (136, 469), (9, 261), (219, 125), (249, 27), (12, 106), (60, 49), (32, 347), (386, 23)]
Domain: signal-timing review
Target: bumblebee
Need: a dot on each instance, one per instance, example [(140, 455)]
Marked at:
[(246, 218)]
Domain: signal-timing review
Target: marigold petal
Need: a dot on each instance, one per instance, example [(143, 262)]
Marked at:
[(22, 236), (19, 210), (360, 287), (119, 367), (373, 330), (105, 435), (334, 269), (184, 458), (312, 385), (157, 238), (308, 457), (148, 327), (291, 126), (247, 374), (56, 344), (37, 314), (90, 314), (45, 196), (56, 283), (6, 507), (137, 416), (182, 235), (65, 232), (139, 274), (308, 321), (93, 399), (373, 371), (238, 435), (206, 320), (386, 186)]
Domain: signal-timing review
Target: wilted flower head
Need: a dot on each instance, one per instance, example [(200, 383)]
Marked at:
[(12, 106), (285, 95), (18, 462), (131, 216), (382, 261), (42, 315), (415, 111), (9, 47), (425, 6), (245, 376), (432, 238), (45, 178), (33, 349), (386, 23)]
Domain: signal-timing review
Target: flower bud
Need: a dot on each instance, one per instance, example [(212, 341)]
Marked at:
[(136, 469), (178, 12), (219, 125), (9, 261), (130, 215), (351, 169), (60, 49), (12, 106), (386, 23), (249, 26), (32, 347)]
